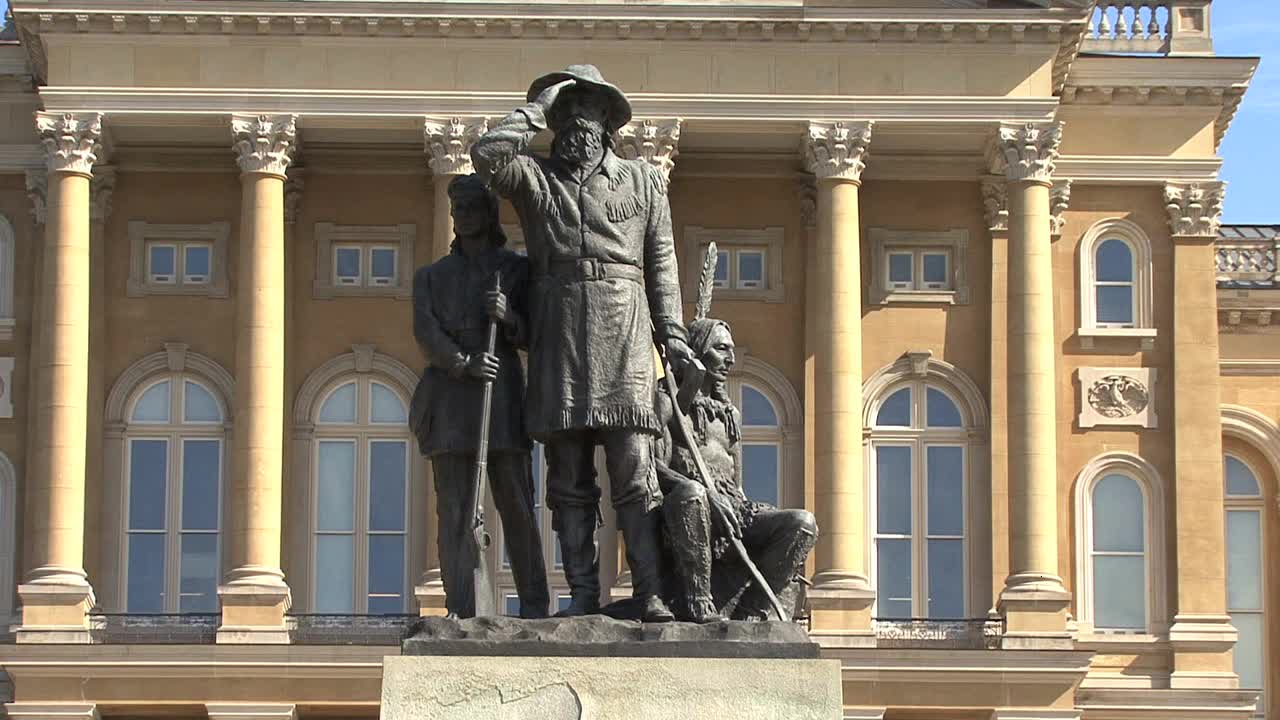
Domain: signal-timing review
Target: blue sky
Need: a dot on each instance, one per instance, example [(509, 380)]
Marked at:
[(1251, 150)]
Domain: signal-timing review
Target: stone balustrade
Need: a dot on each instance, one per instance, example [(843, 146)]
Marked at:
[(1149, 27), (1247, 257)]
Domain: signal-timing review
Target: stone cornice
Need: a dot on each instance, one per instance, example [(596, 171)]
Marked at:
[(1195, 209), (654, 140), (264, 143), (448, 143), (72, 141), (1026, 151), (837, 150), (1059, 201), (995, 204), (1136, 170)]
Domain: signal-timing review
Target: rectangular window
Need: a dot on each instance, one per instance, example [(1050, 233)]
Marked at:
[(161, 263), (934, 271), (196, 263), (382, 266), (750, 269), (917, 270), (722, 269), (346, 265), (900, 272)]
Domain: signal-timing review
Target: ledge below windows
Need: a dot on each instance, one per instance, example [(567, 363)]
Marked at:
[(1144, 337), (922, 297)]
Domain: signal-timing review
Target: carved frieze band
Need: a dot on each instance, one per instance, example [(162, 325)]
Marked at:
[(72, 141), (264, 143), (995, 204), (654, 141), (837, 150), (1026, 151), (1195, 209), (448, 143)]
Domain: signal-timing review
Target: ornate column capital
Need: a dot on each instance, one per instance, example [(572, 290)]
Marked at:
[(72, 141), (1026, 151), (294, 184), (101, 189), (807, 188), (1195, 209), (448, 143), (837, 150), (995, 204), (38, 193), (1059, 201), (264, 143), (654, 141)]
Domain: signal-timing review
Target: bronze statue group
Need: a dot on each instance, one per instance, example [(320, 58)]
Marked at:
[(598, 289)]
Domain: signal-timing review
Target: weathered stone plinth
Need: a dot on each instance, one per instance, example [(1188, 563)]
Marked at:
[(597, 668)]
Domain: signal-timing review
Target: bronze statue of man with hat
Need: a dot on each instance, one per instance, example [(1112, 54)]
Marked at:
[(604, 289)]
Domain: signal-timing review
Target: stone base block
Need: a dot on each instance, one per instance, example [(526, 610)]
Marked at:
[(55, 613), (430, 597), (254, 613), (608, 688)]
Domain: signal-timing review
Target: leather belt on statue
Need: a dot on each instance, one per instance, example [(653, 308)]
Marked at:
[(580, 269)]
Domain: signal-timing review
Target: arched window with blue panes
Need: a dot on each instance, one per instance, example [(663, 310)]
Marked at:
[(360, 499), (175, 439), (1114, 279), (919, 475), (1246, 573), (1120, 570), (761, 448)]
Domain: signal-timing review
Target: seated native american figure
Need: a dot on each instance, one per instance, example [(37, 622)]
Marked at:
[(709, 580)]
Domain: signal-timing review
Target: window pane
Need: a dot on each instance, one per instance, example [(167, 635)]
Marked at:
[(386, 564), (756, 408), (148, 470), (340, 406), (385, 405), (198, 404), (1115, 304), (896, 411), (511, 605), (751, 268), (153, 406), (1119, 601), (760, 472), (1244, 560), (196, 260), (346, 262), (722, 268), (1118, 524), (893, 490), (335, 574), (935, 268), (893, 578), (163, 259), (199, 582), (1247, 654), (335, 489), (940, 410), (946, 489), (1240, 479), (382, 262), (946, 579), (900, 267), (386, 484), (201, 470), (386, 605), (146, 573), (1115, 262)]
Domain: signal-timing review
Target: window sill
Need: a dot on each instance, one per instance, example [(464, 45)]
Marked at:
[(213, 290), (923, 297), (327, 291), (1089, 336)]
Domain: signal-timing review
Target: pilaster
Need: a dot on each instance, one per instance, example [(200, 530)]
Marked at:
[(841, 597), (995, 202)]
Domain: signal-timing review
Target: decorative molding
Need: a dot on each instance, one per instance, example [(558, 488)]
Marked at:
[(38, 194), (807, 189), (402, 236), (162, 362), (217, 234), (655, 141), (1026, 151), (72, 140), (1195, 209), (995, 204), (1136, 170), (772, 240), (1121, 397), (101, 190), (1249, 368), (1059, 201), (837, 150), (264, 143), (972, 402), (294, 185), (20, 157), (448, 143)]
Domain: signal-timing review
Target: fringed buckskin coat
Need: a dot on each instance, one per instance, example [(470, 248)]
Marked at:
[(604, 283)]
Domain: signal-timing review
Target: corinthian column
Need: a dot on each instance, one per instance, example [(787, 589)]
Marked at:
[(448, 146), (55, 594), (1034, 600), (841, 597), (1201, 634), (255, 596), (656, 141)]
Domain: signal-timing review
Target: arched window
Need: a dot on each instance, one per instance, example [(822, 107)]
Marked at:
[(1120, 558), (1245, 572), (360, 486), (761, 443), (919, 476), (174, 456), (1115, 282)]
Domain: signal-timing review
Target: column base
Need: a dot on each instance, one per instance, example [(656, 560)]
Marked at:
[(51, 711), (430, 597), (1034, 607), (55, 611), (1202, 646), (251, 711), (840, 607), (254, 603)]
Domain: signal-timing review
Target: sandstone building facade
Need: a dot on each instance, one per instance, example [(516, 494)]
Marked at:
[(991, 334)]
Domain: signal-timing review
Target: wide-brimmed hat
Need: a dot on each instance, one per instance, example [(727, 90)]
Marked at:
[(589, 76)]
